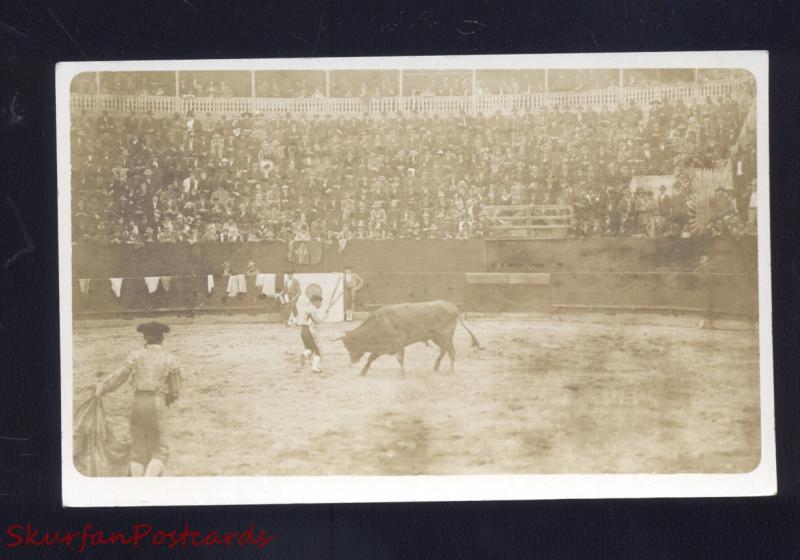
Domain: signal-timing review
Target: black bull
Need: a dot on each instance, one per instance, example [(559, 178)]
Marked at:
[(390, 329)]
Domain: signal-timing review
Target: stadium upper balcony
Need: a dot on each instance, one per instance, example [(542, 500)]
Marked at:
[(425, 104)]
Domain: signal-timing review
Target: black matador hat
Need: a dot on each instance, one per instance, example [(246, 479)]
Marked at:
[(153, 328)]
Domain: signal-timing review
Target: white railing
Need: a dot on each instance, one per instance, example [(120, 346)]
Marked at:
[(441, 105), (550, 221)]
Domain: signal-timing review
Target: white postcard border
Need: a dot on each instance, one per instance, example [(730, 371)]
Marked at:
[(82, 491)]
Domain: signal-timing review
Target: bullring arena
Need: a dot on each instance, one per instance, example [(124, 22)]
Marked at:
[(541, 397), (618, 329), (632, 381)]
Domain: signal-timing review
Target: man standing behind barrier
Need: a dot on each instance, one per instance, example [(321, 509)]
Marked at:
[(290, 295), (352, 283)]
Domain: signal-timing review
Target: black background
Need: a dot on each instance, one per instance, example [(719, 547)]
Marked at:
[(35, 35)]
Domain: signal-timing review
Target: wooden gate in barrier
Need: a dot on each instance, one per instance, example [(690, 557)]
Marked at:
[(540, 221)]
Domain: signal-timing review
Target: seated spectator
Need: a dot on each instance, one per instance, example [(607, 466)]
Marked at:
[(298, 246)]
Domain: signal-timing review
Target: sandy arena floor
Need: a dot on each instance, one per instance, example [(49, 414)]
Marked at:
[(542, 396)]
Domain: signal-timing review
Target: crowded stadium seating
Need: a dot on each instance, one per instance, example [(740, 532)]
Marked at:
[(220, 176)]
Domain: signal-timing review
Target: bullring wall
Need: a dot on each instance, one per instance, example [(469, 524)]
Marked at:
[(645, 272)]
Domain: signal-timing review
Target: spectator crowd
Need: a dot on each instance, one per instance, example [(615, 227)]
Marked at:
[(213, 178), (437, 83), (380, 83), (137, 83), (290, 84)]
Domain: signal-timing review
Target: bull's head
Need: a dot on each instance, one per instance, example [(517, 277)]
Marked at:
[(353, 347)]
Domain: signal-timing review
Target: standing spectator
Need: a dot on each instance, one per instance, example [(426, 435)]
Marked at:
[(290, 294), (352, 283), (752, 208), (663, 210), (377, 217)]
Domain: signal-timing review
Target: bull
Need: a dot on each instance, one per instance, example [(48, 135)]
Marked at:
[(390, 329)]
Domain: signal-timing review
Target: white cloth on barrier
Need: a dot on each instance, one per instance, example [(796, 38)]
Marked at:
[(84, 286), (116, 286), (332, 285), (266, 282), (210, 283), (236, 285), (165, 282), (152, 283)]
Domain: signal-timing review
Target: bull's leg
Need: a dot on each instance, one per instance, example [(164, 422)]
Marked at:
[(401, 359), (438, 361), (370, 359), (451, 351)]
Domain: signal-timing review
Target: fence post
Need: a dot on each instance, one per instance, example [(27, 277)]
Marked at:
[(709, 301), (402, 107), (474, 93)]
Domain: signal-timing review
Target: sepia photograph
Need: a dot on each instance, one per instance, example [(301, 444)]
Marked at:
[(434, 278)]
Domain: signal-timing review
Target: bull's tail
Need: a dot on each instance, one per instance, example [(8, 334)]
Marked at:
[(475, 343)]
